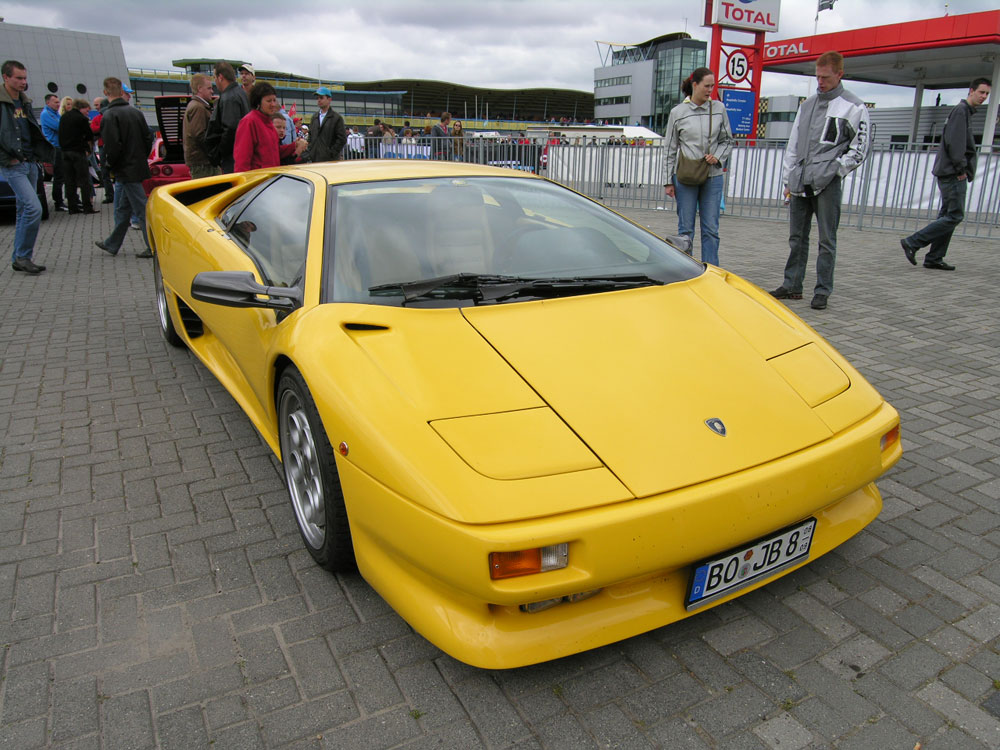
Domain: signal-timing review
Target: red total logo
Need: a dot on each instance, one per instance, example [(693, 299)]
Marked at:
[(734, 13)]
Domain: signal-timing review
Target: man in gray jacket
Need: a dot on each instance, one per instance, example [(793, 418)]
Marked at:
[(829, 140), (955, 168)]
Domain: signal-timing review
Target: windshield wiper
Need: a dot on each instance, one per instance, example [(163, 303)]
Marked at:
[(497, 288), (453, 286)]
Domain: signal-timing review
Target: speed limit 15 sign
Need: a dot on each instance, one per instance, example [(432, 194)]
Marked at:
[(737, 66)]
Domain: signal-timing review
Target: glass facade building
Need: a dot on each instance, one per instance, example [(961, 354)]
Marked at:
[(639, 84), (675, 61)]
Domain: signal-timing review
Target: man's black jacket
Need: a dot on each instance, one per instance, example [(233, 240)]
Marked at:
[(127, 142)]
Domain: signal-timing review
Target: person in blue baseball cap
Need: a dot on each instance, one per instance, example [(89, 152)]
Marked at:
[(327, 131)]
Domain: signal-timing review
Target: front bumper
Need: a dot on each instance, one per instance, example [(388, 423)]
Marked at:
[(435, 573)]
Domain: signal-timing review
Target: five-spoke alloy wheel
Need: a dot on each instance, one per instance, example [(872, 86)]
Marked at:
[(311, 475)]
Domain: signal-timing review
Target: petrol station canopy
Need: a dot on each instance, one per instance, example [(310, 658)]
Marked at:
[(937, 53)]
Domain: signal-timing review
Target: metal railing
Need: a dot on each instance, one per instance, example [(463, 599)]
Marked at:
[(893, 189)]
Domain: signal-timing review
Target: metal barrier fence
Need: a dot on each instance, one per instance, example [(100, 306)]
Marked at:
[(894, 189)]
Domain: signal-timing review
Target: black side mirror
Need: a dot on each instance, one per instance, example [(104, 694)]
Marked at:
[(240, 289)]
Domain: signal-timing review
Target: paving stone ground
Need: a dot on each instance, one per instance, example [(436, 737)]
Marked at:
[(154, 592)]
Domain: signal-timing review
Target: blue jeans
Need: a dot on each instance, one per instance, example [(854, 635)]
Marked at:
[(134, 219), (130, 200), (938, 233), (23, 181), (706, 200), (826, 207)]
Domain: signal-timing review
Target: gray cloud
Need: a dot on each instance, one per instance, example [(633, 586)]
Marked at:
[(491, 43)]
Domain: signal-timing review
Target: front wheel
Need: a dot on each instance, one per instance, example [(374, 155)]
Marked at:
[(311, 476), (162, 309)]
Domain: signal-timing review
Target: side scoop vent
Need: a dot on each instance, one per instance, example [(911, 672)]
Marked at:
[(192, 323)]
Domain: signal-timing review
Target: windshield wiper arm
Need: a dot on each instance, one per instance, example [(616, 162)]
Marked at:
[(456, 286), (565, 286), (496, 287)]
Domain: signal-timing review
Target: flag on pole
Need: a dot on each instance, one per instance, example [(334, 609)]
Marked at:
[(825, 5)]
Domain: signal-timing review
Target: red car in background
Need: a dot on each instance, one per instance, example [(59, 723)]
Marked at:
[(166, 158)]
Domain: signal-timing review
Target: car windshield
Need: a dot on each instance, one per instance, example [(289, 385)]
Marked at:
[(447, 242)]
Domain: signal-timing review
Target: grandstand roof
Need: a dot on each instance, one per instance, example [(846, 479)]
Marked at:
[(424, 96)]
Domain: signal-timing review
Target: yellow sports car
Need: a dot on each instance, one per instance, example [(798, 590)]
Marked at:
[(535, 427)]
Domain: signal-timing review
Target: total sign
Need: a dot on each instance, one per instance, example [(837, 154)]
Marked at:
[(753, 15)]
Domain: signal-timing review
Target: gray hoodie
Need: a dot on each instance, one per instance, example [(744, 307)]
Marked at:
[(830, 138)]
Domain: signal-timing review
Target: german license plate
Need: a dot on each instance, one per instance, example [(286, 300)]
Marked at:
[(742, 567)]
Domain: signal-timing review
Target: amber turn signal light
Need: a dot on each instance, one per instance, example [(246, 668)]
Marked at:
[(525, 562), (890, 438)]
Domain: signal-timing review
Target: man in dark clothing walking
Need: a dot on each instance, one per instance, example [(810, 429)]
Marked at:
[(127, 142), (230, 108), (21, 146), (327, 132), (76, 139), (955, 168)]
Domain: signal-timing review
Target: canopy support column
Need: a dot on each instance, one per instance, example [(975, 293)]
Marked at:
[(991, 108), (918, 99)]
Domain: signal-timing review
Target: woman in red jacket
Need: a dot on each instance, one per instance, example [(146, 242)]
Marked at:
[(257, 143)]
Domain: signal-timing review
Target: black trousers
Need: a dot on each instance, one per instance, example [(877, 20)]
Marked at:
[(76, 169)]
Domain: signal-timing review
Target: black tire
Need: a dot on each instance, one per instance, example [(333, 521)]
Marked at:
[(311, 476), (163, 309)]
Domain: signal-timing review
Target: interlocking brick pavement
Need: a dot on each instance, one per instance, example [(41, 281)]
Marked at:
[(154, 591)]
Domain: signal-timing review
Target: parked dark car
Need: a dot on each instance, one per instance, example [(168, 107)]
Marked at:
[(8, 203)]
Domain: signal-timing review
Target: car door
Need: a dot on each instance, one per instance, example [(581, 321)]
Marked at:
[(269, 233)]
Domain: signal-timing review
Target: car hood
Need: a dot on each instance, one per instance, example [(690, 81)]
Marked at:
[(492, 414), (641, 375)]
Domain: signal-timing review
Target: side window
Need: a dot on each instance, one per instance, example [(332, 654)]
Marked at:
[(274, 230)]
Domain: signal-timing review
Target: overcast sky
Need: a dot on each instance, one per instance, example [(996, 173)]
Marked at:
[(490, 43)]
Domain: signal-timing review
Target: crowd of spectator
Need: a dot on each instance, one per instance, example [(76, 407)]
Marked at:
[(226, 134)]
